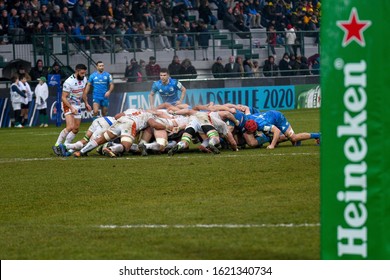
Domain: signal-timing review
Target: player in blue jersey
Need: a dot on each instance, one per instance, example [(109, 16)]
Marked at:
[(275, 124), (102, 84), (168, 89)]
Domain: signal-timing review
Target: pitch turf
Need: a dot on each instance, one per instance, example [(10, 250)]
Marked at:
[(251, 204)]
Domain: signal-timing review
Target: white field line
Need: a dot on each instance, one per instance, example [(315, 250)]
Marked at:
[(211, 226), (183, 156)]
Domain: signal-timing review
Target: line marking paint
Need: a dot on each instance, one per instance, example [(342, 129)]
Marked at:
[(183, 156), (211, 226)]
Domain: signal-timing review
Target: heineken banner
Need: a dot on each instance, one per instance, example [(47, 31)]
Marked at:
[(355, 162)]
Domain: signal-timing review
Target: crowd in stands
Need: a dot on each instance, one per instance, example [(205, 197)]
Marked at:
[(94, 23)]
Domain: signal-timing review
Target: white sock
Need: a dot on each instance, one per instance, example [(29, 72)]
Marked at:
[(62, 136), (153, 146), (117, 148), (75, 146), (70, 137), (205, 142), (214, 141), (89, 147)]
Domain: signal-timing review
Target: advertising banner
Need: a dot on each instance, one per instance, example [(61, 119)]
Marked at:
[(355, 191), (262, 98)]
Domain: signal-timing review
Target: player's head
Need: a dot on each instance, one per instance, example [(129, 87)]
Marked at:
[(250, 126), (164, 75), (81, 70), (100, 66)]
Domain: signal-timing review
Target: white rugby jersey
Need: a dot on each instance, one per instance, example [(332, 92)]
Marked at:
[(75, 89), (219, 124), (140, 119)]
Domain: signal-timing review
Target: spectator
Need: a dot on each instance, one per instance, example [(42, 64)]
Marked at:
[(271, 38), (152, 69), (232, 69), (21, 72), (100, 13), (17, 98), (142, 67), (114, 37), (55, 15), (46, 27), (146, 16), (304, 66), (174, 67), (270, 69), (256, 69), (141, 37), (56, 70), (186, 40), (101, 43), (247, 64), (67, 20), (229, 21), (162, 33), (290, 39), (38, 70), (180, 11), (24, 85), (119, 15), (218, 69), (175, 28), (4, 26), (15, 30), (206, 14), (284, 65), (79, 13), (26, 24), (167, 12), (240, 62), (295, 65), (41, 94), (315, 67), (44, 13), (89, 31), (187, 70), (128, 13), (133, 72), (204, 38), (129, 38), (79, 36)]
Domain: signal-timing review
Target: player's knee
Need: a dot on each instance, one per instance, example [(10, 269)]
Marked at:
[(106, 136), (126, 141)]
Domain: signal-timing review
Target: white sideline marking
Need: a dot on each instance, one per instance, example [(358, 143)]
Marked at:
[(183, 156), (212, 226)]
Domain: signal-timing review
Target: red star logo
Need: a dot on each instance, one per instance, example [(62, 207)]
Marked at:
[(353, 28)]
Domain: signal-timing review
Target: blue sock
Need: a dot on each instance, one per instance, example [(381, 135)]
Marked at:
[(315, 135)]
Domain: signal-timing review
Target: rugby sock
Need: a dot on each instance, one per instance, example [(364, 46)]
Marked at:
[(214, 141), (89, 147), (62, 136), (315, 135), (205, 142), (69, 138), (153, 146), (76, 146), (117, 148)]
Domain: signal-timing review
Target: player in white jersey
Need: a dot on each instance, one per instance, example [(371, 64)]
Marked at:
[(97, 127), (72, 95), (126, 127), (174, 125)]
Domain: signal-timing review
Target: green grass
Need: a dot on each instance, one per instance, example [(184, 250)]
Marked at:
[(53, 208)]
